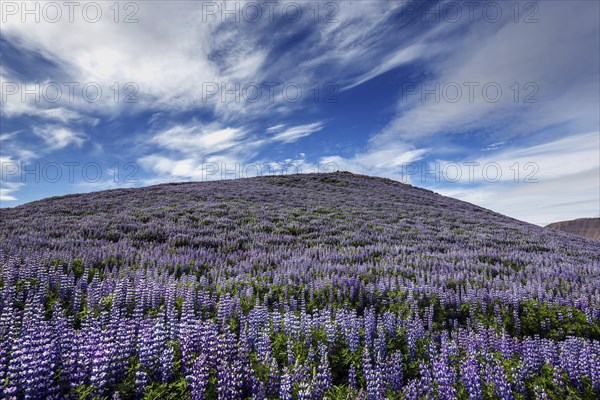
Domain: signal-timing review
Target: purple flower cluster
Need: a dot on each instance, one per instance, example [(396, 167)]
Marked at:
[(297, 287)]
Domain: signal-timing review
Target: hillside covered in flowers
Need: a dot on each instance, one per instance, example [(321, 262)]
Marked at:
[(323, 286)]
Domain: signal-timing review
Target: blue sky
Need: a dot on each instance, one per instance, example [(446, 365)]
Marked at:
[(495, 103)]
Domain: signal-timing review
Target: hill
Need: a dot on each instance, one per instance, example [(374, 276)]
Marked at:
[(293, 287), (586, 227)]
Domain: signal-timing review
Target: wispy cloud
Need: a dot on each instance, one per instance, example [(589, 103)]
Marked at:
[(550, 200), (542, 183), (192, 150), (295, 133), (7, 189), (199, 139), (56, 137), (562, 157), (380, 161), (546, 74), (403, 56)]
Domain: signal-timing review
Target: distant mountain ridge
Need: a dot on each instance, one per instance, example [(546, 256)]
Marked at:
[(586, 227)]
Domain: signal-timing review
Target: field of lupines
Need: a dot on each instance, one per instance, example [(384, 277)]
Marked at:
[(332, 286)]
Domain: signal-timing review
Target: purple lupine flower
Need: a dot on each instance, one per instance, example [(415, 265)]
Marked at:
[(497, 377), (322, 381), (229, 380), (258, 389), (141, 381), (301, 372), (198, 378), (100, 370), (517, 320), (380, 345), (352, 377), (285, 389), (246, 371), (330, 331), (310, 358), (263, 347), (394, 371), (374, 377), (425, 381), (518, 377), (166, 364), (411, 390), (595, 364), (291, 357), (33, 359), (370, 326), (304, 391), (444, 377), (144, 259), (273, 380), (557, 378), (469, 374)]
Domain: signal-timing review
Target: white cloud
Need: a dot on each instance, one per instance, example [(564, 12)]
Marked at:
[(566, 156), (379, 161), (31, 99), (276, 128), (9, 168), (552, 56), (198, 139), (403, 56), (18, 149), (172, 63), (107, 52), (9, 135), (295, 133), (193, 151), (57, 137), (550, 200), (167, 169), (565, 185)]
